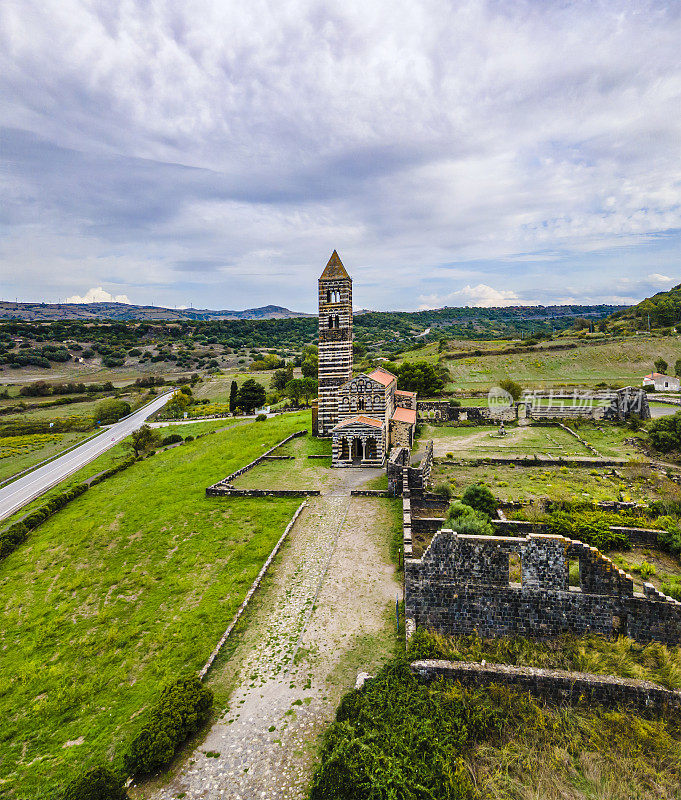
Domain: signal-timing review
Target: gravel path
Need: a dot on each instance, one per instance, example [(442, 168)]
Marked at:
[(299, 654)]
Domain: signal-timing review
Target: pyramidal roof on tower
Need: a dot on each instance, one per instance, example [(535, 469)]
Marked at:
[(334, 270)]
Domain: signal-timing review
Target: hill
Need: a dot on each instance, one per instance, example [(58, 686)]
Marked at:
[(659, 311), (36, 312)]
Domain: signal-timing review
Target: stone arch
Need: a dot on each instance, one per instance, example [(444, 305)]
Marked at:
[(357, 449), (370, 449)]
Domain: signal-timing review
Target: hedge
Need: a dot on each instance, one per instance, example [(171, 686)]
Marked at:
[(100, 783), (183, 707)]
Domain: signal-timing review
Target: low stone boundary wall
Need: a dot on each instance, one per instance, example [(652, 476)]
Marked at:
[(583, 442), (254, 586), (226, 481), (556, 685), (370, 493), (227, 491), (322, 455), (517, 527), (278, 458), (537, 461)]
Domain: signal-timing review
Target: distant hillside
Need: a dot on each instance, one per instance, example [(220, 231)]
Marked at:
[(659, 311), (35, 312)]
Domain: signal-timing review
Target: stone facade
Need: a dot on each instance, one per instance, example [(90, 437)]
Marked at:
[(363, 414), (461, 585), (335, 340)]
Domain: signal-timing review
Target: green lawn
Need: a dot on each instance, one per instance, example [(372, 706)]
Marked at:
[(483, 441), (126, 587), (300, 473)]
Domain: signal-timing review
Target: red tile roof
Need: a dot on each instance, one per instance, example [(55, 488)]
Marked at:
[(405, 415), (658, 375), (405, 393), (382, 376), (361, 420)]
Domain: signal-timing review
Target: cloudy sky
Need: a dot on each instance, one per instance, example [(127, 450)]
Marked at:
[(213, 153)]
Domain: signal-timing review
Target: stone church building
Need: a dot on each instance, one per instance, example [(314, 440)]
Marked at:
[(367, 414)]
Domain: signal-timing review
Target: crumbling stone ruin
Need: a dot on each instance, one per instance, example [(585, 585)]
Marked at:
[(461, 585)]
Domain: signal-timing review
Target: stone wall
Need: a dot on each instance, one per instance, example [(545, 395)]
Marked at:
[(461, 586), (646, 537), (556, 685), (225, 483), (445, 411)]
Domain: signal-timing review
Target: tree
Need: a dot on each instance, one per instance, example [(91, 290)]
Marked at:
[(281, 377), (677, 367), (513, 388), (308, 389), (479, 497), (251, 395), (111, 410), (661, 365), (143, 439), (665, 433), (294, 390), (233, 395), (421, 377), (310, 366), (178, 403)]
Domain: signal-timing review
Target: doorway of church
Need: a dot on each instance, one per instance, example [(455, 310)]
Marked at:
[(357, 449)]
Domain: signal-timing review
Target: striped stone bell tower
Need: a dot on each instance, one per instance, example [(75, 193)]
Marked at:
[(335, 340)]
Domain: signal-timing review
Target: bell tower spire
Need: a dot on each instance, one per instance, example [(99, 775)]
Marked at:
[(335, 340)]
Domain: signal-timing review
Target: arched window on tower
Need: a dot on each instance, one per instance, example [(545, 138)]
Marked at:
[(330, 321), (336, 320), (328, 295), (360, 403)]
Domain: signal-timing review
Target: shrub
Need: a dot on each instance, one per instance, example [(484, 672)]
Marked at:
[(173, 438), (589, 527), (183, 707), (261, 418), (111, 410), (479, 497), (189, 438), (443, 489), (670, 537), (645, 570), (99, 783), (672, 589), (464, 519)]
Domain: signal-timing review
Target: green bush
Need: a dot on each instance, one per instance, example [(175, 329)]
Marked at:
[(665, 433), (672, 589), (444, 489), (669, 538), (111, 410), (479, 497), (589, 527), (173, 438), (99, 783), (464, 519), (261, 418), (183, 707)]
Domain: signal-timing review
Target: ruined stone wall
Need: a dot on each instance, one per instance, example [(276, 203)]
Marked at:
[(556, 685), (461, 585), (444, 411)]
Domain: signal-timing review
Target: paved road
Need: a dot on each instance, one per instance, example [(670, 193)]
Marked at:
[(23, 490)]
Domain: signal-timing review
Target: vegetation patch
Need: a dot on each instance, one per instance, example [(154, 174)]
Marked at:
[(397, 739), (125, 588)]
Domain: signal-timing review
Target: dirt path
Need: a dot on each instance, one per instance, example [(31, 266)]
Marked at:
[(324, 616)]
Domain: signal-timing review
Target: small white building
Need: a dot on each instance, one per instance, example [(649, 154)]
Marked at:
[(662, 383)]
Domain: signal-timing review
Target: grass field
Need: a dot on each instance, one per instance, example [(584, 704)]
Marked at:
[(126, 587), (483, 441), (623, 362), (508, 482), (300, 473), (18, 453)]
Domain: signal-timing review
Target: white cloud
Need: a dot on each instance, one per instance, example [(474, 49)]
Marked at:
[(655, 277), (249, 141), (98, 295), (482, 296)]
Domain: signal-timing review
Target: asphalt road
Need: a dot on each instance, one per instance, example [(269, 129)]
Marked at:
[(23, 490)]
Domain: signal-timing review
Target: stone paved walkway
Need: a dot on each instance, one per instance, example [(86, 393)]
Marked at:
[(332, 586)]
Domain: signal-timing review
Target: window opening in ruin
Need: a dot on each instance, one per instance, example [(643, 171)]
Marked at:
[(573, 572), (515, 569)]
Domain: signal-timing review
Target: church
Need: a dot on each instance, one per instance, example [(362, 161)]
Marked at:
[(365, 415)]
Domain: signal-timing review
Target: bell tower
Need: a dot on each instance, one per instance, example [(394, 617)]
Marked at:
[(335, 340)]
